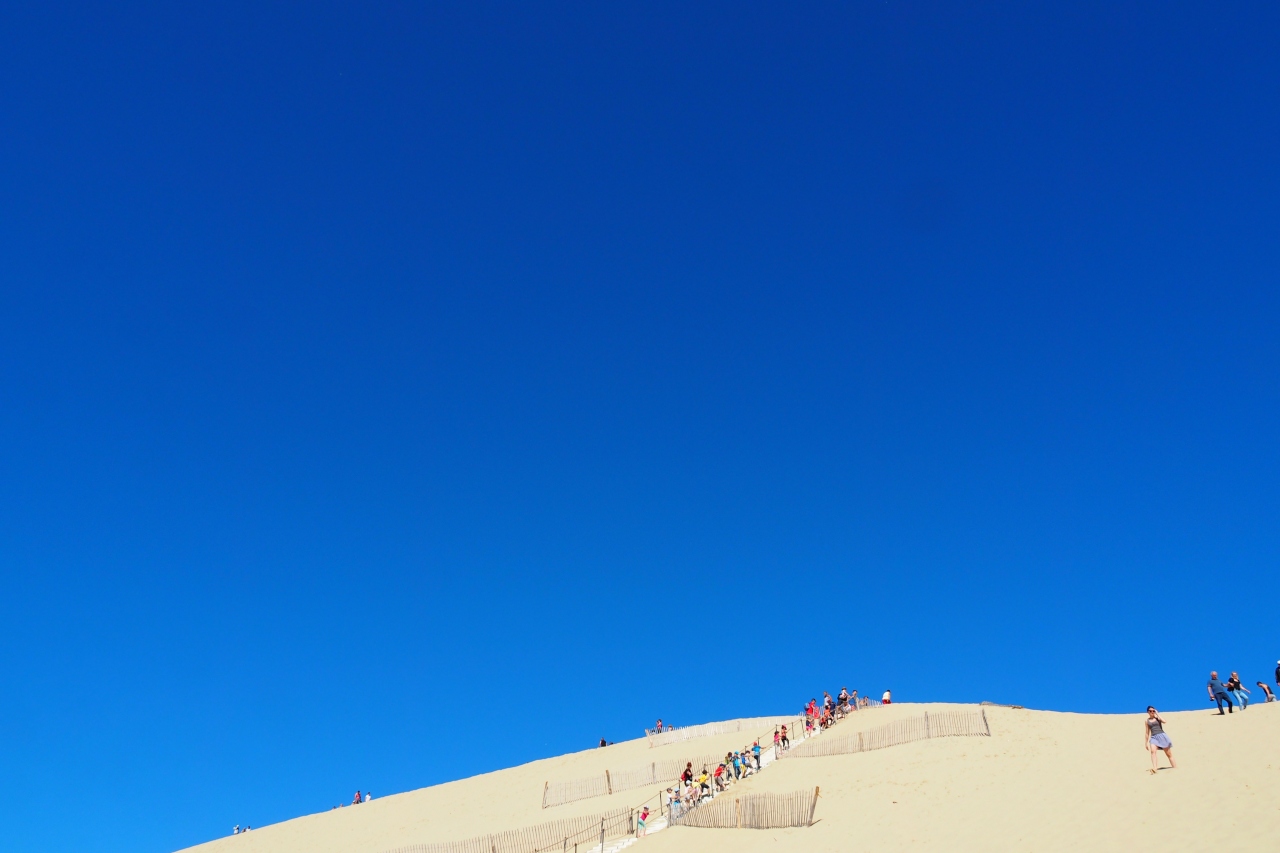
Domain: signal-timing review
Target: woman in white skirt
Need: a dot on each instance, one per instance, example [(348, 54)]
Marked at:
[(1156, 739)]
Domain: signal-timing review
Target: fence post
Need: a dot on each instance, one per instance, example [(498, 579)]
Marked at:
[(927, 733), (860, 749), (985, 724), (737, 808), (601, 835), (608, 783), (813, 808), (653, 773), (545, 786)]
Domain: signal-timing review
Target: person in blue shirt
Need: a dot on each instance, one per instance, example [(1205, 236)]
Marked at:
[(1218, 693), (755, 753)]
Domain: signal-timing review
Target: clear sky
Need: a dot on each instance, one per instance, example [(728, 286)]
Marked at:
[(394, 392)]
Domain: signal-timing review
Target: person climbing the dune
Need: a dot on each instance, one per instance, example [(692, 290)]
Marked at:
[(1271, 697)]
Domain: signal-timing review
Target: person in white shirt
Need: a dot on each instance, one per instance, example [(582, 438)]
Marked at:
[(886, 699)]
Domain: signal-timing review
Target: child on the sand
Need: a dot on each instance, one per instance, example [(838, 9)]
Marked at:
[(640, 821)]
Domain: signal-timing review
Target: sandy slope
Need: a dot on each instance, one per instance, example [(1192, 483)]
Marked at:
[(505, 799), (1043, 781)]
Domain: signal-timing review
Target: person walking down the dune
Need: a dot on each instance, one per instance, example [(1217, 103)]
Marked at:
[(1271, 697), (786, 744), (1218, 693), (887, 698), (1156, 739), (1238, 690)]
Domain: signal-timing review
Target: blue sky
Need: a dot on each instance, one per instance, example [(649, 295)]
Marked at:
[(374, 375)]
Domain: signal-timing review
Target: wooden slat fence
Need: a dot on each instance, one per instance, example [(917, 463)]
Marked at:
[(559, 835), (937, 724), (707, 729), (753, 811), (662, 772), (613, 781)]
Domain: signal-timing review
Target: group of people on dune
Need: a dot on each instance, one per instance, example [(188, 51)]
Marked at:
[(818, 717), (1220, 693), (695, 787), (1231, 693)]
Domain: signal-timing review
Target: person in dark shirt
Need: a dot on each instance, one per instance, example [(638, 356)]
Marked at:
[(1218, 693), (1238, 690)]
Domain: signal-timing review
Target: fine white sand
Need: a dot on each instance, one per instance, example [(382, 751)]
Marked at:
[(1042, 781)]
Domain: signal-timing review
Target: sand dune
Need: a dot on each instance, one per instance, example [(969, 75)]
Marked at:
[(1042, 781)]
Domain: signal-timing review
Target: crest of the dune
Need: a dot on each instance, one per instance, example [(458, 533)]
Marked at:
[(1040, 781)]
